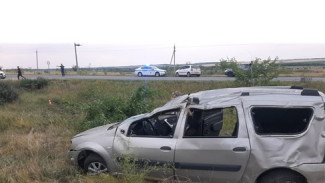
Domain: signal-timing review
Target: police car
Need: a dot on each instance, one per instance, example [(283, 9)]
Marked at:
[(149, 71)]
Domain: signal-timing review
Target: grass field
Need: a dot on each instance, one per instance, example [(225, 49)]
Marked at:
[(35, 136)]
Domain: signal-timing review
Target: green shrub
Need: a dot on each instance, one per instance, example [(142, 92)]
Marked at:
[(38, 83), (7, 93), (260, 72), (108, 110)]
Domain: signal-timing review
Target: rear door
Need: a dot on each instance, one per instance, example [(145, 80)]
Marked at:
[(214, 145)]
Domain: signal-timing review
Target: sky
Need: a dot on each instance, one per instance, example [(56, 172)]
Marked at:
[(137, 32)]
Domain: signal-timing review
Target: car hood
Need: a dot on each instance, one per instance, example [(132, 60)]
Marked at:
[(97, 130)]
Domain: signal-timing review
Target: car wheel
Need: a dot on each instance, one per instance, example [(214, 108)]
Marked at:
[(285, 176), (139, 74), (177, 75), (94, 165), (157, 74), (198, 75), (188, 74)]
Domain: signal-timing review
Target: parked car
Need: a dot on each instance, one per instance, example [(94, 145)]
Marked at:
[(149, 71), (230, 73), (2, 75), (247, 135), (189, 70)]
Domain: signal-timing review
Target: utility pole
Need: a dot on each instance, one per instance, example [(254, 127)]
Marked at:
[(37, 60), (75, 52), (173, 57), (48, 66)]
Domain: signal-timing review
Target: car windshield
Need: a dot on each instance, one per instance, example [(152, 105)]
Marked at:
[(132, 118)]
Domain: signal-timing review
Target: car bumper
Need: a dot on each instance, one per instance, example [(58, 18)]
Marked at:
[(314, 173), (73, 156), (196, 73)]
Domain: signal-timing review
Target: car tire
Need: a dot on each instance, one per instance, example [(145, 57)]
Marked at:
[(198, 75), (277, 176), (140, 74), (177, 75), (188, 74), (157, 74), (94, 165)]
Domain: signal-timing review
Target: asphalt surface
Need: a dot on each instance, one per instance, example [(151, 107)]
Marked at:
[(13, 77)]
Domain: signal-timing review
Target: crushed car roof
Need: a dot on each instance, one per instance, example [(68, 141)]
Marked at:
[(288, 93)]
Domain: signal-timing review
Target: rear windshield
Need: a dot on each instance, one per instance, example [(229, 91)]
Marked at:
[(281, 121)]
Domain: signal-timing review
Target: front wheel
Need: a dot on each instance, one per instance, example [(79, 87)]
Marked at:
[(282, 176), (139, 74), (177, 75), (94, 165), (188, 74), (157, 74)]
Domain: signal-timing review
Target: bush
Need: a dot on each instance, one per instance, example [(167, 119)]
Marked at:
[(260, 72), (7, 93), (109, 110), (39, 83)]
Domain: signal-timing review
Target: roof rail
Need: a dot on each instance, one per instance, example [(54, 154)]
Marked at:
[(297, 87), (244, 94), (309, 92)]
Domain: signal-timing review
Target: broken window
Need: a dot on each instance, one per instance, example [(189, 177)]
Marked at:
[(288, 121), (219, 122), (162, 124)]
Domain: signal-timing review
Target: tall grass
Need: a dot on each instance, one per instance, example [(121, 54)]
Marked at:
[(35, 136)]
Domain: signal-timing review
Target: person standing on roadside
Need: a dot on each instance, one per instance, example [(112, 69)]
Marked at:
[(19, 73), (62, 69)]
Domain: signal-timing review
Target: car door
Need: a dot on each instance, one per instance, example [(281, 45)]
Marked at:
[(145, 70), (152, 71), (183, 71), (150, 145), (214, 146)]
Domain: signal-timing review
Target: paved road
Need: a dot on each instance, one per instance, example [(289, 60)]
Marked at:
[(156, 78)]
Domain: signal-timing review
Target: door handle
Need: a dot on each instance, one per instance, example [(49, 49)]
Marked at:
[(239, 149), (166, 148)]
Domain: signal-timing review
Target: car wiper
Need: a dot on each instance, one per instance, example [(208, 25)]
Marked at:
[(113, 126)]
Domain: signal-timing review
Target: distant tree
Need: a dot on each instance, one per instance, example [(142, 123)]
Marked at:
[(227, 64), (260, 72)]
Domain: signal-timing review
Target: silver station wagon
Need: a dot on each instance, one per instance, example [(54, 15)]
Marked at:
[(256, 134)]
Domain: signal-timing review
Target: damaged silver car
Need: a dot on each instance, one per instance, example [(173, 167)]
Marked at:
[(257, 134)]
